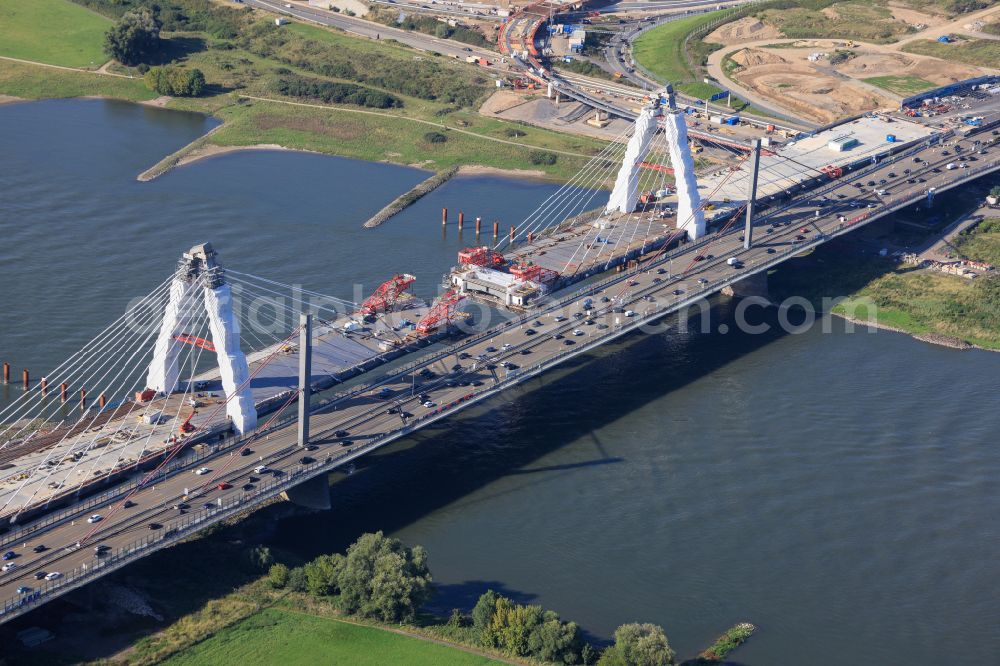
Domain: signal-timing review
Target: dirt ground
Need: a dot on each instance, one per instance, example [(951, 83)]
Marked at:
[(914, 18), (828, 92), (538, 110), (744, 30)]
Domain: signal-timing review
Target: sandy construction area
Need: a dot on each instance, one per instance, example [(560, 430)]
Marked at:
[(742, 31), (826, 92)]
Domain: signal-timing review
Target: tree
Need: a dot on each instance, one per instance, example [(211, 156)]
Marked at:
[(525, 630), (277, 576), (175, 81), (322, 574), (383, 579), (482, 614), (134, 38), (995, 191), (555, 641), (297, 581), (638, 645)]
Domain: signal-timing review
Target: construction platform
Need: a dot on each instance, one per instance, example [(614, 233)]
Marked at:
[(116, 441)]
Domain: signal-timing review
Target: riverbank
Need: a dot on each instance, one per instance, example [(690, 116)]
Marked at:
[(930, 338), (434, 124), (876, 291)]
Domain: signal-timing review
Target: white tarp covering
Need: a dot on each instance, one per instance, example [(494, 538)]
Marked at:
[(232, 362), (625, 195), (689, 214), (163, 371)]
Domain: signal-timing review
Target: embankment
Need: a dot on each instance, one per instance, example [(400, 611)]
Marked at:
[(410, 197)]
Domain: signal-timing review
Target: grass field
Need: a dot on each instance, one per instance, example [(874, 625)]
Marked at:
[(39, 82), (52, 31), (292, 639), (982, 242), (661, 50), (397, 135), (901, 85), (979, 52), (382, 137), (916, 301)]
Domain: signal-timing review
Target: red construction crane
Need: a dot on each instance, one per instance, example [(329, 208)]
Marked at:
[(656, 167), (533, 272), (481, 256), (196, 341), (387, 294), (441, 313)]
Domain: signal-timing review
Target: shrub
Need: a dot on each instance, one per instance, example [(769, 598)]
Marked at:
[(175, 81), (541, 157), (277, 576), (435, 137), (297, 580), (525, 631), (335, 93)]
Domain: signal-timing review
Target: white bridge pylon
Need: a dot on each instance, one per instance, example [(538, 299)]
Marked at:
[(198, 264), (625, 194)]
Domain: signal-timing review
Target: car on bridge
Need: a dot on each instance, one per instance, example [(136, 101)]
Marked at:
[(201, 471), (53, 575), (7, 567), (9, 555), (261, 469), (96, 518)]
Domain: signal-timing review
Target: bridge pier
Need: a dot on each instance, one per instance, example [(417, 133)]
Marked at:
[(754, 285), (312, 494)]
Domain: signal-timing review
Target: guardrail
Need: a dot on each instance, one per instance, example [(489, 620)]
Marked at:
[(234, 440), (180, 529)]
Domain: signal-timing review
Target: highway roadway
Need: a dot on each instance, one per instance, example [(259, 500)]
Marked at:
[(475, 369), (371, 30), (614, 54)]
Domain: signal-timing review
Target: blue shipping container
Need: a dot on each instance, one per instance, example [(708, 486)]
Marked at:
[(891, 138)]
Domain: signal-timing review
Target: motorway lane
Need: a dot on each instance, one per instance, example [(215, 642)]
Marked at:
[(372, 30), (615, 58), (366, 416)]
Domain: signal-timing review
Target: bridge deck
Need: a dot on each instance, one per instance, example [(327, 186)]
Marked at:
[(649, 293), (122, 442)]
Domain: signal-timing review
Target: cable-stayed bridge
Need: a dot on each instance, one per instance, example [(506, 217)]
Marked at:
[(187, 410)]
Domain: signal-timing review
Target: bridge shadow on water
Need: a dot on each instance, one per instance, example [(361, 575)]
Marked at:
[(451, 461), (411, 479)]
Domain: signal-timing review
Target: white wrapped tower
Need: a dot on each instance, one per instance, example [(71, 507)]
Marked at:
[(625, 195), (163, 372), (690, 216)]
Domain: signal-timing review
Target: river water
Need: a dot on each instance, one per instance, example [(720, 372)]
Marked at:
[(836, 489)]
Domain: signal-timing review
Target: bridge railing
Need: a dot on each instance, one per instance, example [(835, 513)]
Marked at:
[(180, 529), (171, 532)]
